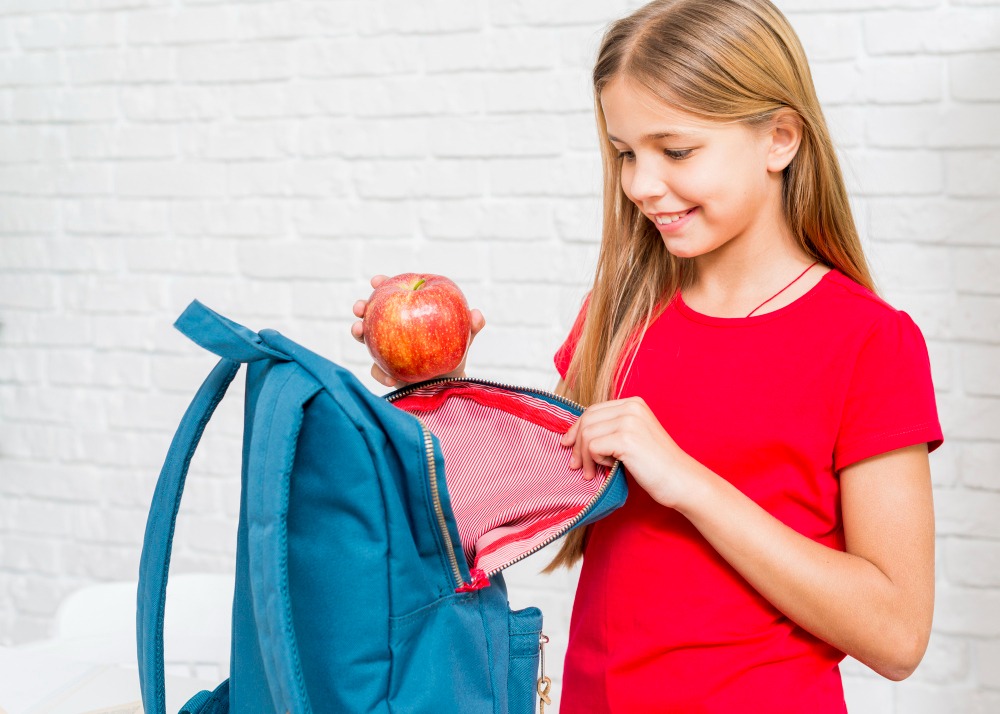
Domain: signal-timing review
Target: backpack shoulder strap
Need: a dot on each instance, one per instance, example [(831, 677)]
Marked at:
[(155, 561), (277, 422)]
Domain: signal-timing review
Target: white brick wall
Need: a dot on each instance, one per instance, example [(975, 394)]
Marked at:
[(267, 157)]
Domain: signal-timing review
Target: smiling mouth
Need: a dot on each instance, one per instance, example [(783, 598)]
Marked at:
[(670, 217)]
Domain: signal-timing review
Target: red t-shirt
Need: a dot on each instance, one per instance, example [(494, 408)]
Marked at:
[(777, 404)]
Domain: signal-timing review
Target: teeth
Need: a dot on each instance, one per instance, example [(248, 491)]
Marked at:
[(662, 220)]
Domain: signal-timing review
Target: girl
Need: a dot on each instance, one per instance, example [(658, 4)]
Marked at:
[(773, 414)]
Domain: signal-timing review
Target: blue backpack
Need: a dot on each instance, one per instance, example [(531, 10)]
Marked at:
[(372, 532)]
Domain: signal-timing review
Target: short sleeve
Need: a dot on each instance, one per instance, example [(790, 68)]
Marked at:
[(890, 398), (564, 355)]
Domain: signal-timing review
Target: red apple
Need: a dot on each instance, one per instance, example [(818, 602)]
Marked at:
[(417, 326)]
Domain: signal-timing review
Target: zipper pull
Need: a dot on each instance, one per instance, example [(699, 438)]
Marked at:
[(478, 582), (544, 683)]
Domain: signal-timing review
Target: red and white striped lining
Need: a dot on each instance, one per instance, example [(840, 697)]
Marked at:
[(508, 476)]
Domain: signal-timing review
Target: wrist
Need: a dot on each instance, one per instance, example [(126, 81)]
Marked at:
[(697, 490)]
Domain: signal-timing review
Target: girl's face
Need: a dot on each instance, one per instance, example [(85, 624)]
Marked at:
[(705, 185)]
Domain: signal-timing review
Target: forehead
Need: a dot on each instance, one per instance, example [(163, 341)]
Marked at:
[(633, 114)]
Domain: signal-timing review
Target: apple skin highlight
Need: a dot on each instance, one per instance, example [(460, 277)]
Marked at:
[(417, 326)]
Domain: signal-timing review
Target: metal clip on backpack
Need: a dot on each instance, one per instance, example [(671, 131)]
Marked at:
[(371, 535)]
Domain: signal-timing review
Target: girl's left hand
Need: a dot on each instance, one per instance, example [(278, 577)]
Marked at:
[(627, 430)]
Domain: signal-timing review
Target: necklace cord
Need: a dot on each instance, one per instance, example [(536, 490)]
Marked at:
[(782, 290)]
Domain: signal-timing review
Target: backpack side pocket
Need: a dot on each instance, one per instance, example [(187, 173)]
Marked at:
[(522, 675)]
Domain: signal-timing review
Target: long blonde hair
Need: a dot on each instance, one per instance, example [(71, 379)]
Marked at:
[(719, 60)]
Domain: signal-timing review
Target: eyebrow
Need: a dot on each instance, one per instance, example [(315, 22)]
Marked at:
[(657, 135)]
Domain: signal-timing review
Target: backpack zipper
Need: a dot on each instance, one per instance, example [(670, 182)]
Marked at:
[(436, 500), (478, 576)]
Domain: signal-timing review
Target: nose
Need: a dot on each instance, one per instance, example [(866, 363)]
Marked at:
[(647, 181)]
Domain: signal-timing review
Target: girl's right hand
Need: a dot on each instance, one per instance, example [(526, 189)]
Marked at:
[(357, 332)]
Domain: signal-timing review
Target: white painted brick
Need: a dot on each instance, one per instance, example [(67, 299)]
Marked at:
[(341, 219), (360, 57), (263, 20), (936, 126), (934, 219), (558, 176), (976, 318), (838, 82), (518, 13), (191, 25), (973, 562), (31, 144), (234, 63), (533, 92), (906, 266), (31, 70), (513, 220), (846, 125), (105, 66), (940, 31), (405, 179), (975, 77), (903, 80), (500, 136), (319, 259), (96, 29), (988, 660), (930, 699), (978, 462), (977, 269), (432, 17), (972, 416), (579, 220), (964, 512), (249, 218), (519, 49), (868, 696), (967, 611), (59, 104), (452, 95), (832, 36), (115, 217), (465, 264), (170, 103), (399, 138), (31, 291), (981, 369), (878, 173), (189, 179), (973, 173)]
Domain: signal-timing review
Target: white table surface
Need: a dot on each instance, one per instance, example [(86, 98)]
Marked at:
[(35, 681)]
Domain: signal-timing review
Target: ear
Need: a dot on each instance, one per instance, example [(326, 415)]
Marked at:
[(785, 134)]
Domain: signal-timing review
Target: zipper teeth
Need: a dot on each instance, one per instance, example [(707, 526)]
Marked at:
[(438, 508), (393, 396)]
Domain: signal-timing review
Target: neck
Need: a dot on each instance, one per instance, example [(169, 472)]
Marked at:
[(737, 278)]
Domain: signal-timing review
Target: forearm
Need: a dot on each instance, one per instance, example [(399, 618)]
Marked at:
[(842, 598)]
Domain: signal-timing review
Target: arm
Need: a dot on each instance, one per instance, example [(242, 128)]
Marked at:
[(873, 601)]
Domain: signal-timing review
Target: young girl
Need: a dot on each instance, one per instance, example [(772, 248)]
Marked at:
[(773, 414)]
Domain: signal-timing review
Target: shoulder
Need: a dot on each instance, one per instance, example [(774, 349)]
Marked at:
[(855, 308)]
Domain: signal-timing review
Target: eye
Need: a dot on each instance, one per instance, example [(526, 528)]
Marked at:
[(678, 153), (626, 156)]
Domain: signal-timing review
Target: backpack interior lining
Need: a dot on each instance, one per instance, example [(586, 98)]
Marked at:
[(508, 477)]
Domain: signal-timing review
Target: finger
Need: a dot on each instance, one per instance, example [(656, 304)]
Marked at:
[(599, 451), (358, 331), (478, 321), (381, 377), (378, 280), (569, 438), (359, 308)]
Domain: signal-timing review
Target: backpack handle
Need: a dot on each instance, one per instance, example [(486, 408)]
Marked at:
[(224, 337), (155, 561), (277, 422)]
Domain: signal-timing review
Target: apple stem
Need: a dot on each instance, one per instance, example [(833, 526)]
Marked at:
[(419, 283)]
